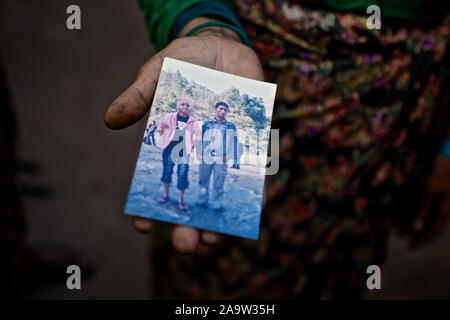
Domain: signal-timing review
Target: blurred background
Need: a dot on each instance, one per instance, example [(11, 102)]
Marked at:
[(77, 172)]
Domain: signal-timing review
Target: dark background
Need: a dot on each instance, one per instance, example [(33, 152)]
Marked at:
[(62, 81)]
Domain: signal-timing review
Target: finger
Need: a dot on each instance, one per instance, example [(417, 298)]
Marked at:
[(142, 225), (211, 238), (134, 102), (185, 239)]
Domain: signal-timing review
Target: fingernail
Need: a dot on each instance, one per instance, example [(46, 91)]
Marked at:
[(185, 239), (210, 238), (142, 225)]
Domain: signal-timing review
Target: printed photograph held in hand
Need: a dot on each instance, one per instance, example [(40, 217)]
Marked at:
[(203, 157)]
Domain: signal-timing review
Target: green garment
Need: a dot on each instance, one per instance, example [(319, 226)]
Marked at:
[(160, 15)]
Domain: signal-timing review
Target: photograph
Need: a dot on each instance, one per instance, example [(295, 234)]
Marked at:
[(204, 151)]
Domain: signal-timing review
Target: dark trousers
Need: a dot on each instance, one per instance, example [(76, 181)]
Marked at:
[(182, 168), (149, 139), (219, 173), (152, 136)]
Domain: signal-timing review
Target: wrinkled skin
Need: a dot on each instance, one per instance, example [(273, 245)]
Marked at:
[(214, 48)]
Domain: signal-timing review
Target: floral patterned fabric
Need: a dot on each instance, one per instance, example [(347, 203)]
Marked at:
[(360, 114)]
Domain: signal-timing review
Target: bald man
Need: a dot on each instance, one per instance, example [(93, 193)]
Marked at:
[(177, 127)]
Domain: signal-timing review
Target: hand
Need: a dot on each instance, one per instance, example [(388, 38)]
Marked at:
[(216, 48)]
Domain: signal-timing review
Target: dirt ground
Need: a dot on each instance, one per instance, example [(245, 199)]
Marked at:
[(241, 201)]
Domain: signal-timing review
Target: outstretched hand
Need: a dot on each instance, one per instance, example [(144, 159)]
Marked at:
[(214, 48)]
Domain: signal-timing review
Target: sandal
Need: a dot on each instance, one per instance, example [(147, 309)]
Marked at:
[(181, 206), (163, 200)]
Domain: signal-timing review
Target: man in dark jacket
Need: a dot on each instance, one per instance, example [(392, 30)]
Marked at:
[(219, 142)]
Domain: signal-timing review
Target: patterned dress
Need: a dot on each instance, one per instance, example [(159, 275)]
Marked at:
[(361, 113)]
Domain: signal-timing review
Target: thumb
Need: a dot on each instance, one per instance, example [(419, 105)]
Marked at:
[(134, 102)]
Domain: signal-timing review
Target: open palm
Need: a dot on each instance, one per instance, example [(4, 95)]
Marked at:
[(210, 51)]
